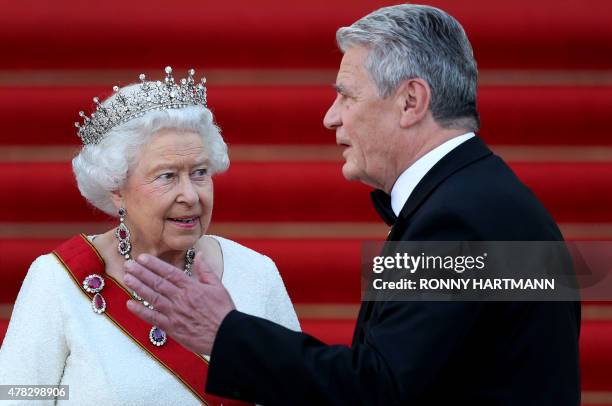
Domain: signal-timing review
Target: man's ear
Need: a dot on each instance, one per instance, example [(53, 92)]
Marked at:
[(413, 97)]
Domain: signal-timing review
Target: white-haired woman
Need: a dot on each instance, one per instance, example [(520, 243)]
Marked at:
[(149, 153)]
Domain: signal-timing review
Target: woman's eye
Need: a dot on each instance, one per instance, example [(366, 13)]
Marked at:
[(200, 172)]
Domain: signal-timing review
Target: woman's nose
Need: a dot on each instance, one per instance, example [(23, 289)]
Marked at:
[(188, 192)]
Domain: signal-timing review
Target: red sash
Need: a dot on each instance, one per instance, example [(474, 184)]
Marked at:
[(81, 259)]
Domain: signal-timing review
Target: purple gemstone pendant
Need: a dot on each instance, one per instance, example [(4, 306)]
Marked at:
[(123, 234), (157, 336), (93, 283), (98, 304)]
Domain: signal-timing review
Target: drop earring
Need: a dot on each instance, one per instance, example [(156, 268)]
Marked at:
[(123, 235)]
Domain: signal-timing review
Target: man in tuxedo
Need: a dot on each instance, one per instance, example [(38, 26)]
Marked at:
[(405, 113)]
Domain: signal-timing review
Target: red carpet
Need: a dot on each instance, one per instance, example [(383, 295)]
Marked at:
[(3, 327), (523, 34), (511, 115), (596, 355), (545, 86), (312, 191)]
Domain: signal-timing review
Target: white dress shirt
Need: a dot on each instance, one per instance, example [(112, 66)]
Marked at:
[(410, 178)]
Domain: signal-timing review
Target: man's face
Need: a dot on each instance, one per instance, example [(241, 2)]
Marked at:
[(364, 122)]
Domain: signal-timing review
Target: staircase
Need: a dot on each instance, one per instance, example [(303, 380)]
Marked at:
[(545, 100)]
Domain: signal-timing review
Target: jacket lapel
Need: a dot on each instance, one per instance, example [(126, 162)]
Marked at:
[(465, 154)]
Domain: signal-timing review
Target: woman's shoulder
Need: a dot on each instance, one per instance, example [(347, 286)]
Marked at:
[(46, 269), (233, 250), (45, 263), (244, 264), (44, 280)]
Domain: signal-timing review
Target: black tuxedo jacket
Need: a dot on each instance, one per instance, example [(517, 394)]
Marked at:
[(424, 353)]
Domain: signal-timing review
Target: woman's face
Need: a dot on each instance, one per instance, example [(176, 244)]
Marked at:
[(168, 194)]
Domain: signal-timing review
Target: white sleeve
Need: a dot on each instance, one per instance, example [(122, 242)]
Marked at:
[(34, 350), (279, 308)]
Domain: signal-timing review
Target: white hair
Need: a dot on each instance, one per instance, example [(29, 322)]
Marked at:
[(409, 41), (102, 168)]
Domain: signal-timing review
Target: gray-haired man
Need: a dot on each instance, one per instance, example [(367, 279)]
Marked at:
[(406, 115)]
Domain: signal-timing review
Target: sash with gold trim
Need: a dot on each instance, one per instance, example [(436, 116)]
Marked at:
[(81, 259)]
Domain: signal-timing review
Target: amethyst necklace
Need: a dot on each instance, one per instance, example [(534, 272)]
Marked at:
[(95, 283)]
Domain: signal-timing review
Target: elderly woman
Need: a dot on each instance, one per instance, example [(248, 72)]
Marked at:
[(150, 151)]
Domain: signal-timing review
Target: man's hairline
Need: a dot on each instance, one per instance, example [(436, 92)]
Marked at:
[(351, 43)]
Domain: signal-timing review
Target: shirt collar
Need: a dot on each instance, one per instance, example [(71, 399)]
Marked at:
[(410, 178)]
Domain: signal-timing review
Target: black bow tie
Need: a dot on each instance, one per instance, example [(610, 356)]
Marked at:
[(382, 204)]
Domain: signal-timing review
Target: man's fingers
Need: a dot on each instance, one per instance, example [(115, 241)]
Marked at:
[(157, 300), (152, 281), (152, 317), (164, 270), (203, 272)]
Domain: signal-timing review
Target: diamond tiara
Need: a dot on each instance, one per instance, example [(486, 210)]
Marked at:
[(148, 96)]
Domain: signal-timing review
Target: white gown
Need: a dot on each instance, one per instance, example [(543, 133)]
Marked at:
[(54, 337)]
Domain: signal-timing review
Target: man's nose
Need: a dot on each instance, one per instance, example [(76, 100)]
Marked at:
[(332, 117)]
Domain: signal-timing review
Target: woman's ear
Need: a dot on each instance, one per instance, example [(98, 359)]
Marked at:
[(117, 198), (413, 96)]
